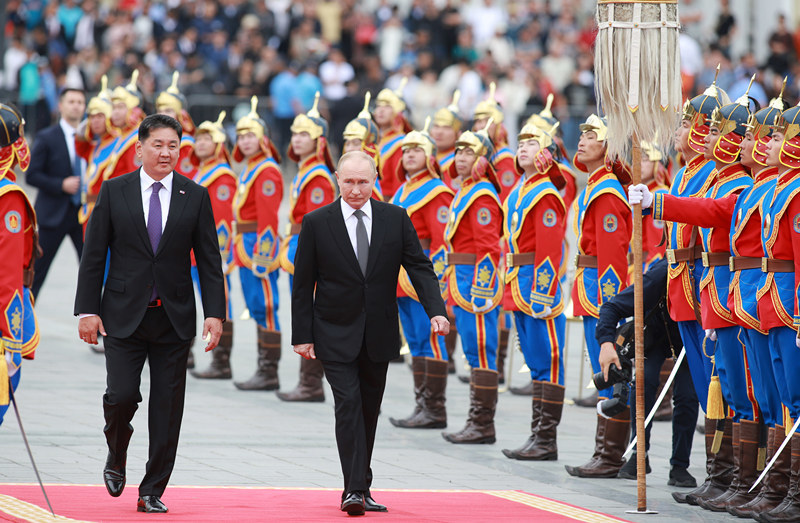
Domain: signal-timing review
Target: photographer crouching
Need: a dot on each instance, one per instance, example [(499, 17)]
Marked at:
[(661, 340)]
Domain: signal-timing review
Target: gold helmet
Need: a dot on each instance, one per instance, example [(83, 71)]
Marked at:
[(171, 98), (101, 104), (545, 120), (731, 121), (252, 122), (420, 139), (215, 129), (311, 122), (394, 99), (760, 124), (449, 116), (128, 94), (478, 141), (698, 111), (489, 108), (596, 124), (362, 127), (532, 132), (12, 142)]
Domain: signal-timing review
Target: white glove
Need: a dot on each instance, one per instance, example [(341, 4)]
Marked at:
[(12, 369), (544, 314), (480, 305), (640, 194), (711, 334)]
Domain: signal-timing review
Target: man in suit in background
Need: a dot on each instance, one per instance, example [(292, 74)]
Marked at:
[(344, 309), (150, 220), (56, 170)]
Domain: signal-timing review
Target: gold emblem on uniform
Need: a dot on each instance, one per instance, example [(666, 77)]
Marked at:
[(609, 288), (543, 280), (484, 276)]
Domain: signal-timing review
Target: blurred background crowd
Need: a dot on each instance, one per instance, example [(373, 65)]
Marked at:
[(284, 51)]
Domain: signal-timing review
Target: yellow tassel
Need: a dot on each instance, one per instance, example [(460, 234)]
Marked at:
[(788, 423), (715, 409), (762, 459), (3, 380)]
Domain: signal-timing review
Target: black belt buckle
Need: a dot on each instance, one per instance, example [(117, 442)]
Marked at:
[(154, 303)]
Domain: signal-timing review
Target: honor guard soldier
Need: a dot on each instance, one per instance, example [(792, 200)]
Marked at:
[(779, 289), (361, 134), (427, 200), (447, 123), (502, 159), (389, 115), (19, 335), (545, 121), (256, 241), (214, 172), (95, 144), (172, 103), (602, 225), (656, 177), (313, 187), (474, 279), (126, 115), (534, 229), (713, 215), (745, 263)]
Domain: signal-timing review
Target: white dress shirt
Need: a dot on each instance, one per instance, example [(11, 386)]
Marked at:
[(69, 137), (351, 222), (163, 195)]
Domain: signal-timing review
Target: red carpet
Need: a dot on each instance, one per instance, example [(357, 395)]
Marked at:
[(20, 503)]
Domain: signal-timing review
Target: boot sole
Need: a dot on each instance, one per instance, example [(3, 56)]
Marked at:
[(202, 377), (473, 442), (401, 425), (576, 472), (241, 386), (315, 399)]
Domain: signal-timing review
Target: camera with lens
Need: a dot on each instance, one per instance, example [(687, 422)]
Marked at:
[(619, 378)]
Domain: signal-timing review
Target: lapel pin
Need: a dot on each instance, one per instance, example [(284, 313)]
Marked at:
[(182, 192)]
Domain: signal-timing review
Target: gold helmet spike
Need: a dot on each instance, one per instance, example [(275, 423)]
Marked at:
[(547, 111), (420, 139), (489, 107), (401, 86), (104, 83), (173, 88), (215, 129), (777, 102), (134, 79), (712, 90), (101, 104), (394, 99), (365, 111), (454, 102), (128, 94), (427, 124), (314, 112), (744, 99), (251, 122), (171, 97)]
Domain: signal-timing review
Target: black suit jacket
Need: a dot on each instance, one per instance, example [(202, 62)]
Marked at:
[(118, 223), (50, 164), (337, 308)]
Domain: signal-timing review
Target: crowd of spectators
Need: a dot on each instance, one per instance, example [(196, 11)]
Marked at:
[(284, 51)]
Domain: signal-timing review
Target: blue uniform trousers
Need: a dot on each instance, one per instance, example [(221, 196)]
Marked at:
[(542, 344)]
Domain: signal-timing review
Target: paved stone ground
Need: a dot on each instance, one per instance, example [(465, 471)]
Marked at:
[(253, 439)]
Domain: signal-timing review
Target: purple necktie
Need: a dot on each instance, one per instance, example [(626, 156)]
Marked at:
[(154, 225)]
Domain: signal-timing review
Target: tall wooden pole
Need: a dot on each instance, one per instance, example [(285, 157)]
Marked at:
[(638, 314)]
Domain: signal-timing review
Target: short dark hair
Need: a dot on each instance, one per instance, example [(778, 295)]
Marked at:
[(65, 90), (158, 121)]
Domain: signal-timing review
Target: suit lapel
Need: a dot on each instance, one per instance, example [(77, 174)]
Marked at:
[(133, 199), (177, 203), (339, 231), (376, 239)]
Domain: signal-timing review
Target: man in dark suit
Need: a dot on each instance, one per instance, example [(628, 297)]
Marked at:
[(344, 309), (56, 170), (150, 220)]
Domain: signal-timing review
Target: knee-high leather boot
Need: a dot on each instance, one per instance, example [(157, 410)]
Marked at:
[(789, 509), (721, 470), (745, 447), (483, 401), (309, 388), (220, 367), (776, 484), (611, 439), (269, 352), (418, 372)]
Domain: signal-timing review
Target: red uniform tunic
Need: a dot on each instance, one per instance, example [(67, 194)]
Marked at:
[(312, 188), (97, 154), (220, 180), (602, 223), (256, 204), (185, 165), (506, 169), (123, 157), (391, 153)]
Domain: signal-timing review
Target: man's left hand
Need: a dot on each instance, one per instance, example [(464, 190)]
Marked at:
[(212, 330), (440, 325)]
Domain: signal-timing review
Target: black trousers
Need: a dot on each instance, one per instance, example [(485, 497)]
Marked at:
[(155, 341), (684, 407), (357, 395), (50, 240)]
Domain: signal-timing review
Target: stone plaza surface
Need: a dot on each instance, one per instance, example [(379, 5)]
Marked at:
[(236, 438)]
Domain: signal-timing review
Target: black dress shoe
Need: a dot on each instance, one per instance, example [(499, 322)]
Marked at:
[(151, 504), (353, 504), (371, 506), (114, 475)]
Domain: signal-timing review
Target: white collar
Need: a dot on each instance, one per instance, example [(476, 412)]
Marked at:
[(146, 181), (69, 131), (348, 211)]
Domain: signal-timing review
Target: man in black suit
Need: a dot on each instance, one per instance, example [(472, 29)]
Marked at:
[(56, 170), (344, 309), (150, 220)]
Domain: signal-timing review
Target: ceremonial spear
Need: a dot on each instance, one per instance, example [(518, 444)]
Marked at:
[(637, 60)]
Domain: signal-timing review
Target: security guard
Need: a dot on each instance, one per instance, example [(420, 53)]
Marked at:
[(474, 279), (172, 103), (427, 200), (19, 335), (215, 173), (256, 240), (312, 188)]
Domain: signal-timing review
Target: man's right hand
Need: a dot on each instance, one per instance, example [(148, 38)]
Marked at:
[(306, 350), (71, 184), (88, 327), (608, 355), (640, 194)]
